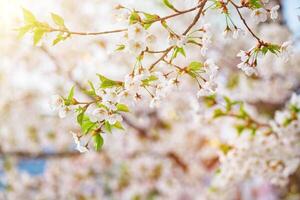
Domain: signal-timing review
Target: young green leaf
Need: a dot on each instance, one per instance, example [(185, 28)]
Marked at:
[(58, 39), (107, 126), (120, 47), (29, 18), (122, 107), (23, 30), (98, 141), (108, 83), (71, 94), (255, 4), (37, 36), (134, 18), (87, 125), (118, 125), (58, 20), (169, 5), (149, 19), (178, 50), (148, 80), (218, 113), (195, 66), (81, 111)]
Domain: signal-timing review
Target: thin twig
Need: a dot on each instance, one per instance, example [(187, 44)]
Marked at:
[(161, 58), (196, 18), (245, 23), (88, 33)]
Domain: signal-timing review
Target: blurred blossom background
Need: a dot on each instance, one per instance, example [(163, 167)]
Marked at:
[(164, 153)]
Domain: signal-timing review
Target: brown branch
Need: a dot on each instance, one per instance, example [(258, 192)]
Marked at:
[(122, 30), (161, 58), (175, 15), (196, 18), (87, 33), (245, 23), (39, 155), (178, 161)]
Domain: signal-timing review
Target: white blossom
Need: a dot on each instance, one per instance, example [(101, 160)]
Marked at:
[(274, 12), (259, 15), (177, 40), (58, 104), (227, 33), (99, 114), (113, 118), (243, 55), (136, 47), (286, 51), (295, 100), (281, 117), (248, 69), (137, 32), (79, 147), (238, 33)]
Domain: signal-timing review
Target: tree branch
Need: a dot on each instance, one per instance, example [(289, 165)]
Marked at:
[(197, 17)]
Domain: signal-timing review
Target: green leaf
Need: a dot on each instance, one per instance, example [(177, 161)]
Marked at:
[(107, 126), (210, 100), (240, 128), (195, 66), (169, 5), (134, 18), (150, 19), (98, 141), (243, 112), (274, 48), (255, 4), (108, 83), (264, 50), (225, 148), (218, 113), (178, 50), (122, 107), (120, 47), (81, 111), (58, 20), (118, 125), (87, 125), (148, 80), (29, 18), (228, 104), (58, 39), (37, 36), (164, 24), (233, 81), (71, 93), (23, 30), (91, 91)]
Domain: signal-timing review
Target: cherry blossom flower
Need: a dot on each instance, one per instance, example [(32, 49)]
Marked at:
[(295, 100), (99, 115), (248, 69), (286, 51), (137, 32), (177, 40), (274, 12), (113, 118), (136, 47), (57, 104), (259, 15), (227, 32), (79, 147), (238, 33)]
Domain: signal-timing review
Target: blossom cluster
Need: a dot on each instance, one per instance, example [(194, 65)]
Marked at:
[(169, 114)]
